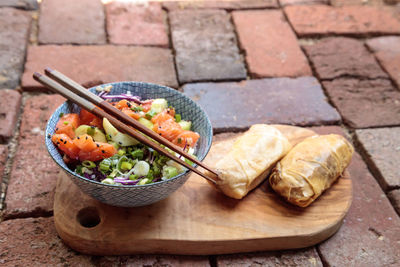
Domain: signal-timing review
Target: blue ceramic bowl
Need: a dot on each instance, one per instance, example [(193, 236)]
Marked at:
[(137, 195)]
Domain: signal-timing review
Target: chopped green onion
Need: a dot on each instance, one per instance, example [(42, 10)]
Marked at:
[(150, 114), (137, 109), (178, 117), (126, 166), (66, 122), (88, 164), (61, 114), (179, 140), (79, 169), (121, 152), (143, 181), (137, 154), (133, 177), (113, 173), (105, 165), (90, 130)]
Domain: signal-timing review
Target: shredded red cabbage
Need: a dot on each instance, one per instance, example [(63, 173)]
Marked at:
[(135, 99), (125, 181)]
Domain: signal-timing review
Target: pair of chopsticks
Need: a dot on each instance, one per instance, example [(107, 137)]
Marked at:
[(61, 84)]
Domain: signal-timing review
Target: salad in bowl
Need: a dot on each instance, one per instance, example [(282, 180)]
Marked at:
[(108, 164)]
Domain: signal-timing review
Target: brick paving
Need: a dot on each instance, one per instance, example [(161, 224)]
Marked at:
[(14, 25), (201, 36), (280, 100), (387, 51), (382, 149), (10, 104), (271, 47), (320, 20), (77, 22), (333, 65), (136, 24)]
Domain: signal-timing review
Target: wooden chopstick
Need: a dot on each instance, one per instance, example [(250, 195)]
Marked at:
[(98, 101), (58, 88)]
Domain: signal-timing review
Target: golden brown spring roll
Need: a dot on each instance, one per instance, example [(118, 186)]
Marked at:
[(310, 168), (250, 160)]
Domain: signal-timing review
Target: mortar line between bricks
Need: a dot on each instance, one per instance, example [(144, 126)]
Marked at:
[(325, 263), (242, 51), (12, 149), (367, 158), (105, 24), (172, 47), (392, 81)]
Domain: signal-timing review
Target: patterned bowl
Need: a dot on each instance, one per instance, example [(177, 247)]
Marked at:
[(137, 195)]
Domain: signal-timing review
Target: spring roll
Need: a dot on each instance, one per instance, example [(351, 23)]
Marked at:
[(310, 168), (250, 160)]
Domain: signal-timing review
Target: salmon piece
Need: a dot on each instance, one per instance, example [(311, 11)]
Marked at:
[(168, 129), (162, 117), (67, 124), (146, 106), (102, 151), (124, 104), (66, 145), (87, 118), (85, 142), (131, 113), (186, 138)]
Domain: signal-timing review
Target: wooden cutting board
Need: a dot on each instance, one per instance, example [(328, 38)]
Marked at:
[(198, 220)]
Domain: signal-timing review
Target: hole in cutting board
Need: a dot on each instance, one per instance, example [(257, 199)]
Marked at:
[(88, 217)]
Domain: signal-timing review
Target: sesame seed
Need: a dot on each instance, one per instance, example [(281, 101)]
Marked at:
[(78, 137), (97, 145), (65, 142), (103, 151)]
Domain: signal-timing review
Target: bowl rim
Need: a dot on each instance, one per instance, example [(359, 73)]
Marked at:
[(84, 179)]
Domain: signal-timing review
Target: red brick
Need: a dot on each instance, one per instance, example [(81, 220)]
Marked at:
[(365, 103), (153, 260), (387, 51), (343, 57), (229, 5), (10, 102), (205, 45), (116, 63), (314, 20), (303, 257), (129, 23), (71, 22), (382, 148), (3, 160), (34, 242), (356, 2), (371, 230), (237, 106), (14, 25), (394, 197), (271, 47), (34, 174), (302, 2)]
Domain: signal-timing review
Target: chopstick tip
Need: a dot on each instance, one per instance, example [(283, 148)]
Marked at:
[(37, 75), (48, 70)]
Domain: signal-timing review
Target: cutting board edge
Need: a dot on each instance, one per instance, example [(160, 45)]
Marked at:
[(191, 247)]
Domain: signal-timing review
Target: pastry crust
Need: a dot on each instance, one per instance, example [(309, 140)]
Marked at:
[(250, 160), (310, 168)]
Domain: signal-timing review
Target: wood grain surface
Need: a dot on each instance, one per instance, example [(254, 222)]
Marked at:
[(198, 220)]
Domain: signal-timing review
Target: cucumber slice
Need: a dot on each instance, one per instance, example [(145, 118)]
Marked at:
[(146, 123), (95, 132), (186, 125), (159, 105), (118, 137)]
